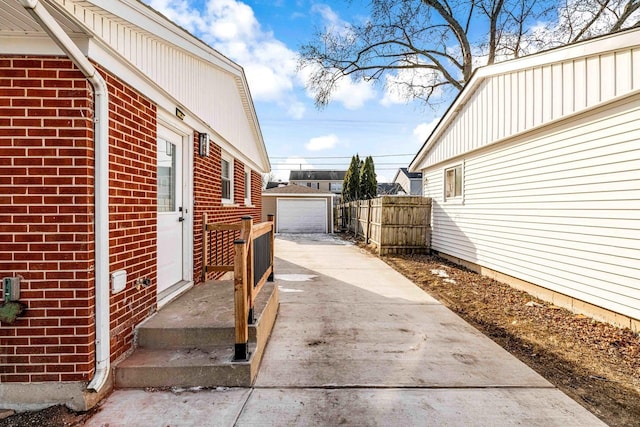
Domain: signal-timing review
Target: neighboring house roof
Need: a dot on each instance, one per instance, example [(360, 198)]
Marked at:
[(170, 66), (293, 189), (316, 175), (502, 93), (275, 184), (410, 175), (389, 188)]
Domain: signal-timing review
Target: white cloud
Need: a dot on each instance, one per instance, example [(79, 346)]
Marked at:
[(322, 143), (423, 130), (296, 109), (231, 27), (332, 21), (350, 93), (408, 83), (354, 94)]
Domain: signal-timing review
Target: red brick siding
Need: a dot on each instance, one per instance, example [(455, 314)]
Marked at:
[(46, 219), (46, 228), (208, 198), (132, 208)]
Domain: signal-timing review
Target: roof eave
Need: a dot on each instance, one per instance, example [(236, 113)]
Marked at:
[(623, 39)]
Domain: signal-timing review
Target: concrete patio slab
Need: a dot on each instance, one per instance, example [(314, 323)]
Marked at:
[(410, 407), (165, 408), (356, 344), (372, 343)]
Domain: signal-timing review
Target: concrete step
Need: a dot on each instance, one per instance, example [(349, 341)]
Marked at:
[(186, 367), (186, 337), (182, 347)]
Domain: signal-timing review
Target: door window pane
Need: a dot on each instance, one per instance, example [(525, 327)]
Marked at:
[(166, 176)]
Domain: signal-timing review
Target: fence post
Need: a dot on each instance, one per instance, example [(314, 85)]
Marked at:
[(272, 247), (247, 235), (205, 246), (368, 235), (240, 301)]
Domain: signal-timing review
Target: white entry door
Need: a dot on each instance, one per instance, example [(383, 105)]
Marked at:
[(170, 210)]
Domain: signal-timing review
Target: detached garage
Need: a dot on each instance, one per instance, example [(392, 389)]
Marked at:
[(299, 209)]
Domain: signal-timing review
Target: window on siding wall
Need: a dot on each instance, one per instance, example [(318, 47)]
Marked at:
[(335, 187), (315, 185), (227, 180), (453, 182), (247, 187)]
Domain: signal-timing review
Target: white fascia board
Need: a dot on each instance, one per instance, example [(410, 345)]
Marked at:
[(611, 42), (38, 43), (253, 117), (152, 21)]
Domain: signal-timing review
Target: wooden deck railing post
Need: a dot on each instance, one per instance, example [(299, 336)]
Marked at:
[(247, 235), (205, 246), (240, 287), (272, 248)]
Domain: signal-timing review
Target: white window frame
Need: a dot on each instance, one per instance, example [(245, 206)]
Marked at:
[(332, 184), (457, 193), (229, 160), (247, 187)]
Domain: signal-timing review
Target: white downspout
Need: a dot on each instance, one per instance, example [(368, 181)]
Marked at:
[(101, 184)]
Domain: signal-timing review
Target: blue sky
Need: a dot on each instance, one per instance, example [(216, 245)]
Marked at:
[(264, 37)]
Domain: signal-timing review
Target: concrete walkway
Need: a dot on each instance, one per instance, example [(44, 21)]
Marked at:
[(356, 343)]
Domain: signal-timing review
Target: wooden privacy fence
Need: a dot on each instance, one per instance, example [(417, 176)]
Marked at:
[(394, 224), (247, 250)]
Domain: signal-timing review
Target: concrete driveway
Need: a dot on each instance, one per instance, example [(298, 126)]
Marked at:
[(356, 343)]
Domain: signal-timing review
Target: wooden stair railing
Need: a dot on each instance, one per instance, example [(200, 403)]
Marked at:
[(252, 265)]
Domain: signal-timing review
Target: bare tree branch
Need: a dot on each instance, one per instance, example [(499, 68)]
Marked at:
[(428, 47)]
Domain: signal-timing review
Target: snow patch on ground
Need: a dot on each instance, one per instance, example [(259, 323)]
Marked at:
[(289, 291), (295, 277), (439, 273)]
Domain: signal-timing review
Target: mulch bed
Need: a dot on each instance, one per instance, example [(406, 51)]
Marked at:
[(596, 364)]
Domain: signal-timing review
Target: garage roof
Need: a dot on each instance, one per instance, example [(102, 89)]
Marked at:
[(292, 189)]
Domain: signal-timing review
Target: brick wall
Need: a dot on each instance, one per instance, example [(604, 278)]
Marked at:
[(132, 208), (46, 216), (208, 198)]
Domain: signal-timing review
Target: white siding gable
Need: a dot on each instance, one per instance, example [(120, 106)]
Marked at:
[(508, 99), (200, 79)]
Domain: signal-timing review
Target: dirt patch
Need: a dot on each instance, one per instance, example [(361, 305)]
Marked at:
[(54, 416), (596, 364)]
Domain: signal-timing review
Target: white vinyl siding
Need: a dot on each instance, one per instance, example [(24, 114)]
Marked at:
[(207, 84), (503, 105), (558, 208)]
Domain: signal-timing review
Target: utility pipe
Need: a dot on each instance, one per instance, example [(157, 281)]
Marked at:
[(101, 184)]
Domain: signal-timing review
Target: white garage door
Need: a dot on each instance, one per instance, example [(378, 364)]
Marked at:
[(302, 216)]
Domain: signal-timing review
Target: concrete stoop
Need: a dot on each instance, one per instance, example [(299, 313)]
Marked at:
[(190, 342)]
